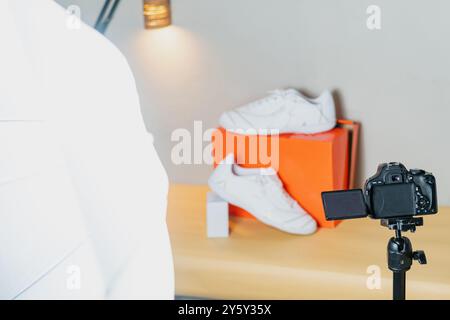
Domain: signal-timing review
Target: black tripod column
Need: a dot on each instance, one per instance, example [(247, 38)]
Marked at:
[(399, 285)]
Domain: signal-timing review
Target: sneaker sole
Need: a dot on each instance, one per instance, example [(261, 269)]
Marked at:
[(266, 132)]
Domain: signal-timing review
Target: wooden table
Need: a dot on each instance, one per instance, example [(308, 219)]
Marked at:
[(259, 262)]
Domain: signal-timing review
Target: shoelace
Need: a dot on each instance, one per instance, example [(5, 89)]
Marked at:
[(300, 99), (289, 94), (277, 95), (257, 104), (275, 187)]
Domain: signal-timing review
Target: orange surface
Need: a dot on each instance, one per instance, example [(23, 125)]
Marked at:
[(307, 164)]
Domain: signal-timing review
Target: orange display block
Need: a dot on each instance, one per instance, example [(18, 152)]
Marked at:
[(307, 164)]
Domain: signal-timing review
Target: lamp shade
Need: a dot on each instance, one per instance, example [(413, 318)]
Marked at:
[(157, 13)]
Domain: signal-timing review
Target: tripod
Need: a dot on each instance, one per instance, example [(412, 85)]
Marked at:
[(400, 253)]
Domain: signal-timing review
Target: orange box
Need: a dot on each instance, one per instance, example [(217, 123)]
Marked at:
[(307, 164)]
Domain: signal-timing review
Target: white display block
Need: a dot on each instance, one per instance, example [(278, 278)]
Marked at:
[(216, 216)]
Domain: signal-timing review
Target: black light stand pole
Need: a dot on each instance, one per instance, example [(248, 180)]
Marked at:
[(102, 23)]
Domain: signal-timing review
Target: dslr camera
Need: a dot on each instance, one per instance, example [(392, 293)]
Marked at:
[(393, 192)]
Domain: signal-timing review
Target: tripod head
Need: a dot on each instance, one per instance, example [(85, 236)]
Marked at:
[(400, 252), (402, 224)]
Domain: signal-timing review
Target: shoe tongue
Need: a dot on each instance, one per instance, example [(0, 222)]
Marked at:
[(268, 172), (273, 179), (284, 92), (292, 91)]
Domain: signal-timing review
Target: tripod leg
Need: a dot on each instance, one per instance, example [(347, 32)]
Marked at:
[(399, 285)]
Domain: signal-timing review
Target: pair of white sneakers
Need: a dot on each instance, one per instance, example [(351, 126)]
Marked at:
[(260, 191)]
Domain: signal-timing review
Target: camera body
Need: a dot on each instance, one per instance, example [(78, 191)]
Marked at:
[(393, 191)]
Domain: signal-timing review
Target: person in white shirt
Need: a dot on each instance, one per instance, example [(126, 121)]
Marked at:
[(83, 193)]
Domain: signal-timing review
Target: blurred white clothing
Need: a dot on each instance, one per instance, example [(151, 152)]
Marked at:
[(83, 193)]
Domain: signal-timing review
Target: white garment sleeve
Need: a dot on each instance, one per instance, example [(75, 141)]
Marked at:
[(41, 225), (148, 273), (87, 93)]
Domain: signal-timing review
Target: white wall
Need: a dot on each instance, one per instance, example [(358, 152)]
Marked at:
[(220, 54)]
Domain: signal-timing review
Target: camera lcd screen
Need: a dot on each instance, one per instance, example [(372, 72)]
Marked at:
[(393, 200), (345, 204)]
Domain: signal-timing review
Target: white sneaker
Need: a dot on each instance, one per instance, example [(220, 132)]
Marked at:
[(286, 111), (262, 195)]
